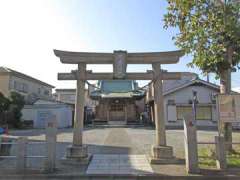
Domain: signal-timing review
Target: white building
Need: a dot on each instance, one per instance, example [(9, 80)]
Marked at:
[(68, 96), (31, 88), (41, 111), (178, 100)]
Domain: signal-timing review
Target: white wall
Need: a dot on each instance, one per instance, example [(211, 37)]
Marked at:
[(182, 97), (69, 97), (40, 114)]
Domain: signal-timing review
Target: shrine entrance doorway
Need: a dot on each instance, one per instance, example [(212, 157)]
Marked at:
[(117, 110)]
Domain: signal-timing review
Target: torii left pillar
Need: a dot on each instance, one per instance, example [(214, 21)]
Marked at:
[(77, 151)]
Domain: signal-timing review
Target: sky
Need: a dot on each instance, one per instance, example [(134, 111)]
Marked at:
[(30, 30)]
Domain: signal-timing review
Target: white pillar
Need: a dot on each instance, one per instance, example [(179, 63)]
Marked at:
[(79, 105)]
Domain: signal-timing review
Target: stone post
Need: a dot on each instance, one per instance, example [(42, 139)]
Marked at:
[(160, 151), (78, 151), (51, 138), (220, 152), (21, 154), (190, 144)]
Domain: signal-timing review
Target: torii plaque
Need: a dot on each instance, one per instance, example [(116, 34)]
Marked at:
[(119, 59)]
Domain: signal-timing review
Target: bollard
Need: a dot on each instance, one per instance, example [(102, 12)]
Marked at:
[(221, 160), (190, 144), (51, 137), (21, 154)]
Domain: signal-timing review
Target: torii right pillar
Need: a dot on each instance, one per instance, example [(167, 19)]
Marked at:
[(161, 153)]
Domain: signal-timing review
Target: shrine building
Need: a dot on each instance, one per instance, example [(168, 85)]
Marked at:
[(119, 101)]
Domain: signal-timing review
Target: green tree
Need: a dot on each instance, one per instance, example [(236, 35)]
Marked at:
[(4, 106), (209, 30), (16, 104)]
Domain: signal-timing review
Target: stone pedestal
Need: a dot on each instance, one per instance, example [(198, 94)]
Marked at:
[(162, 155), (76, 152), (162, 152), (77, 155)]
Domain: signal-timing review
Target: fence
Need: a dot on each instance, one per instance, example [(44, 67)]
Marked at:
[(22, 155), (191, 147), (220, 149)]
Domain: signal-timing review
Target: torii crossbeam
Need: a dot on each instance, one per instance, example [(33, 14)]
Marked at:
[(120, 59)]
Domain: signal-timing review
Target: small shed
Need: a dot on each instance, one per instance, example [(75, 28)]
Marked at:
[(41, 111)]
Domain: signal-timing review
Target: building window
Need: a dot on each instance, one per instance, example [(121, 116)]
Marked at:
[(67, 97), (15, 85), (25, 87), (171, 102), (203, 112), (39, 90), (21, 87), (46, 92), (181, 110)]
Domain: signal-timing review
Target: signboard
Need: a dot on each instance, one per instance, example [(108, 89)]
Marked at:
[(229, 107), (42, 118)]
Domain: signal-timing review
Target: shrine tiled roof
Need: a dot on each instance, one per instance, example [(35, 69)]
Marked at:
[(117, 89), (117, 86)]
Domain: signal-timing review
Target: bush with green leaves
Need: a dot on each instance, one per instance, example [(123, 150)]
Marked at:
[(209, 30), (10, 109)]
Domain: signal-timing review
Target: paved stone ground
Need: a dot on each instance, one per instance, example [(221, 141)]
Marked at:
[(108, 140), (119, 164)]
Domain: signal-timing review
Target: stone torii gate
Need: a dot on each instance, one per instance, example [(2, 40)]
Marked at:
[(119, 59)]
